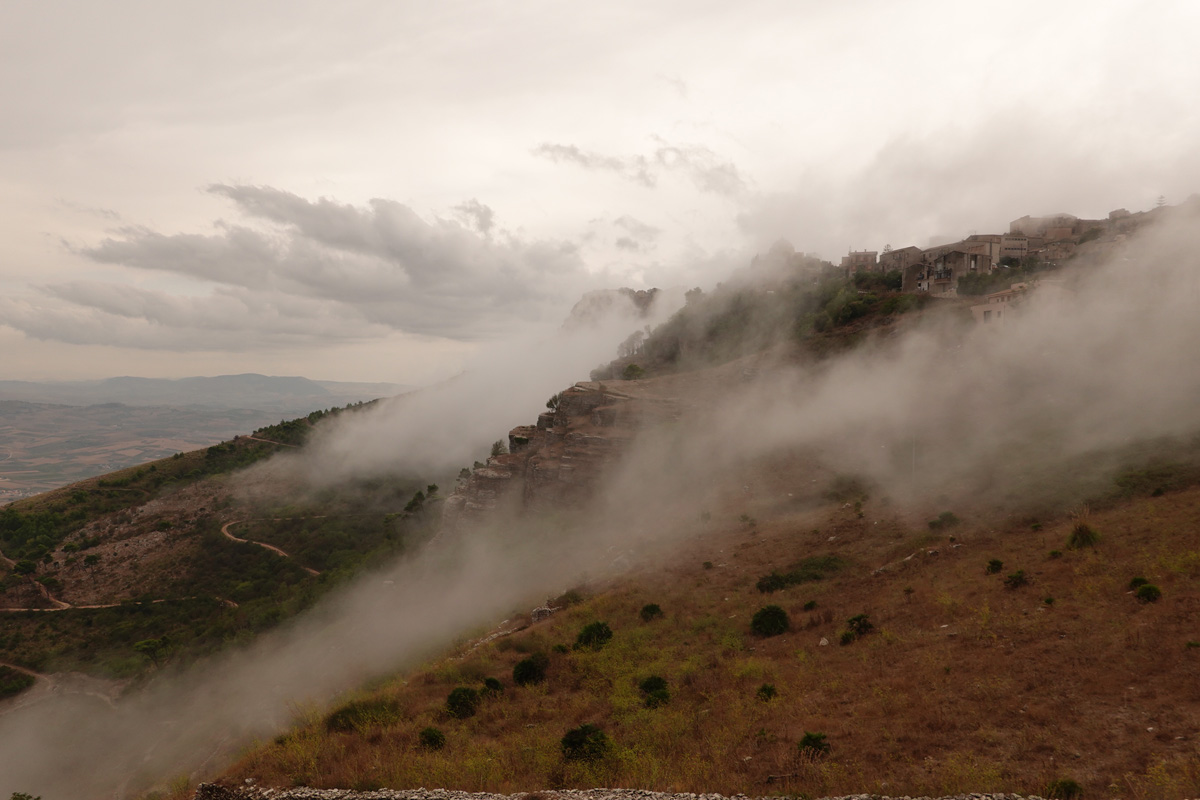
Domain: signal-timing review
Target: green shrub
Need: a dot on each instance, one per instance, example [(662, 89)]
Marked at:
[(1192, 644), (708, 565), (1063, 789), (462, 702), (492, 688), (363, 714), (585, 743), (531, 670), (1082, 536), (766, 692), (810, 569), (654, 690), (593, 636), (946, 519), (652, 684), (994, 566), (651, 611), (1048, 601), (432, 739), (769, 621), (1056, 553), (633, 372), (1016, 580), (813, 744), (560, 648), (1148, 593), (1136, 582), (856, 626)]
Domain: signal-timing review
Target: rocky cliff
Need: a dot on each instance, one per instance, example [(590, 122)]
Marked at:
[(559, 459)]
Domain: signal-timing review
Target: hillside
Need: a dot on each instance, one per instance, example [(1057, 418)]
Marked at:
[(966, 515), (994, 654), (149, 568)]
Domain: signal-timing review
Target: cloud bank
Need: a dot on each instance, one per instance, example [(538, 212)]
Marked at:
[(299, 271)]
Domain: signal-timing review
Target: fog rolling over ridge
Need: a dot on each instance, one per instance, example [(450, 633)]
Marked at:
[(1107, 359)]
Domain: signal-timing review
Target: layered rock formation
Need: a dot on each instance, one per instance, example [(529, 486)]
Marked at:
[(559, 459)]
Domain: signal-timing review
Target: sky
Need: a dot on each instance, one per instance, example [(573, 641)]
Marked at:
[(382, 191)]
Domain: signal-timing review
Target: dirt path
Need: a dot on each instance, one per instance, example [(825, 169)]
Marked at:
[(269, 441), (271, 547)]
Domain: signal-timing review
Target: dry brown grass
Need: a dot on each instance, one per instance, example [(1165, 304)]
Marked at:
[(964, 686)]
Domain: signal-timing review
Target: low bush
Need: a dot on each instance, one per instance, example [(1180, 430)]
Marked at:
[(1137, 582), (769, 621), (363, 714), (766, 692), (654, 691), (462, 702), (432, 739), (1082, 536), (531, 670), (492, 688), (1063, 789), (994, 566), (1016, 580), (1148, 593), (810, 569), (860, 624), (651, 611), (946, 519), (813, 744), (585, 743), (857, 626), (593, 636)]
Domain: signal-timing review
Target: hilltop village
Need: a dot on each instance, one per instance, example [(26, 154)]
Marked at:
[(998, 268)]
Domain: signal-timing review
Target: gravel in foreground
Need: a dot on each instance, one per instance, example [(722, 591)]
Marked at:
[(209, 791)]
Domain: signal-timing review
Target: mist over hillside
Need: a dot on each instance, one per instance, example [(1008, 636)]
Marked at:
[(943, 410)]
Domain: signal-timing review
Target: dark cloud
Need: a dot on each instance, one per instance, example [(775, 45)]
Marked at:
[(304, 271), (708, 171)]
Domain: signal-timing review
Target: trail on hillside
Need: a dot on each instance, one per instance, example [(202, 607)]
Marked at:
[(271, 547)]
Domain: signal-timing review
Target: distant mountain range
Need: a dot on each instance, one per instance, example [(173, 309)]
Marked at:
[(285, 395)]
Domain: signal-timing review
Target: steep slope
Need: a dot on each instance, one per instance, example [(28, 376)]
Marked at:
[(997, 657)]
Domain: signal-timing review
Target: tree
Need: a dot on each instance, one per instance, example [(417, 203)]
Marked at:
[(633, 372), (498, 448), (153, 649)]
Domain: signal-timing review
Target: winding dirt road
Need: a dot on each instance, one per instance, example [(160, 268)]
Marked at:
[(271, 547)]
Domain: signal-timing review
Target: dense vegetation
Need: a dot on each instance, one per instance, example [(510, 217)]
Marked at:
[(737, 319)]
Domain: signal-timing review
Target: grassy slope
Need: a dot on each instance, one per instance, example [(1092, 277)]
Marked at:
[(965, 685)]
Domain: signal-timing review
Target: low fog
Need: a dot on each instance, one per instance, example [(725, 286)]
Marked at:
[(1103, 356)]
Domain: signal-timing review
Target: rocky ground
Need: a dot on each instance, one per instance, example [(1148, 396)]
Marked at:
[(210, 791)]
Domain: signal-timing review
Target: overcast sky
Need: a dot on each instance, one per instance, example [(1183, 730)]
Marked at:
[(374, 190)]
